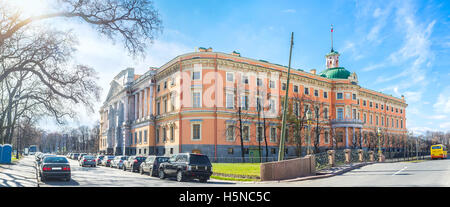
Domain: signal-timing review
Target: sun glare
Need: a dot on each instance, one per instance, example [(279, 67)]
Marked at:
[(30, 7)]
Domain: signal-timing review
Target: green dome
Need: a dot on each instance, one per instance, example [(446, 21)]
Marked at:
[(335, 73)]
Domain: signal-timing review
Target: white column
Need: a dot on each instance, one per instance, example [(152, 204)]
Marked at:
[(136, 106), (125, 108), (145, 102), (140, 104), (150, 108)]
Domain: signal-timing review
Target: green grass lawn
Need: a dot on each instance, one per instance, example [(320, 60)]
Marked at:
[(238, 169)]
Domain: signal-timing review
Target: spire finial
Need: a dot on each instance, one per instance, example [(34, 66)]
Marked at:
[(332, 50)]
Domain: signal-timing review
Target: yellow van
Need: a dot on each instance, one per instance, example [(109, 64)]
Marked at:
[(438, 151)]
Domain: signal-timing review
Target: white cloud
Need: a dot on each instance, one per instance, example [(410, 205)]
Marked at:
[(442, 104), (445, 126)]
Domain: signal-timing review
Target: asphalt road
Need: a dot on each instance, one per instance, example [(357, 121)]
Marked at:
[(428, 173)]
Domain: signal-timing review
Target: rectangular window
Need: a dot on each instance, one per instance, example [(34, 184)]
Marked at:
[(339, 96), (271, 84), (364, 103), (316, 93), (273, 134), (307, 91), (245, 79), (196, 131), (354, 114), (259, 134), (258, 82), (140, 137), (164, 131), (145, 136), (325, 113), (196, 75), (246, 133), (325, 94), (244, 102), (340, 113), (283, 86), (230, 100), (370, 104), (172, 134), (230, 133), (230, 77), (196, 100), (295, 89), (157, 135), (354, 96), (158, 108), (325, 136), (135, 137)]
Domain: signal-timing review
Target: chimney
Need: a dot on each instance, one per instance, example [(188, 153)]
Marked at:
[(202, 49), (236, 54), (313, 71)]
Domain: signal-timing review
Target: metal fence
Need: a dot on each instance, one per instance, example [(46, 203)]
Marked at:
[(322, 159)]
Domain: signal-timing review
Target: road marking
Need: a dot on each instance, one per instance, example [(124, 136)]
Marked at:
[(399, 171)]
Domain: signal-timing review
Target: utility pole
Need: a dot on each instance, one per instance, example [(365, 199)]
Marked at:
[(283, 127)]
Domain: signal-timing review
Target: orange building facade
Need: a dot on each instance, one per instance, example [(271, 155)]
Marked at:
[(211, 102)]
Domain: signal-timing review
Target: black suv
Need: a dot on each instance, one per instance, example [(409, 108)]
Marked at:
[(187, 166)]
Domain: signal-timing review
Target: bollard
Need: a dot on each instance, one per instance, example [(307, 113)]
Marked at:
[(331, 158), (371, 158), (361, 155), (347, 156), (381, 157)]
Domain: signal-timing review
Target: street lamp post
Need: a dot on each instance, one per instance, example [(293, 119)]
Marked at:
[(308, 119)]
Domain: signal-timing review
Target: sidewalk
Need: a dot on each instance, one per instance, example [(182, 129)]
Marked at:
[(18, 174)]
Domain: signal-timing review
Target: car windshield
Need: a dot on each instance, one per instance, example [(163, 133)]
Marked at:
[(199, 160), (163, 159), (124, 158), (110, 157), (55, 160), (436, 147), (88, 157)]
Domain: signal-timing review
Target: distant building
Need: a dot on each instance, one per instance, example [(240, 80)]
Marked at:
[(190, 104)]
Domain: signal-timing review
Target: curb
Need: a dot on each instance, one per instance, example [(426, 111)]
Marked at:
[(340, 172)]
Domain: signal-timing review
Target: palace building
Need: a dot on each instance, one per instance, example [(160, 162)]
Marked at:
[(207, 102)]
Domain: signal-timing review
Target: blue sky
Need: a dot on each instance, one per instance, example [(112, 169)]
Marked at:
[(396, 47)]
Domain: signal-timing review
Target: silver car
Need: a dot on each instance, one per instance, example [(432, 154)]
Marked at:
[(87, 160), (117, 162)]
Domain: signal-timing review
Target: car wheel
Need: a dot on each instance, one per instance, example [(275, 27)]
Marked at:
[(180, 177), (124, 168), (162, 175), (204, 180), (141, 171), (42, 178)]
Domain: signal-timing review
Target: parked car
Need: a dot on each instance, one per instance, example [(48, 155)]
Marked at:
[(151, 165), (55, 167), (88, 160), (133, 163), (117, 162), (75, 156), (99, 158), (106, 161), (187, 166), (81, 156), (41, 157)]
